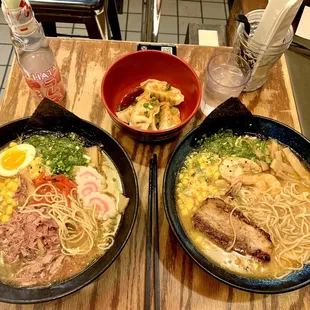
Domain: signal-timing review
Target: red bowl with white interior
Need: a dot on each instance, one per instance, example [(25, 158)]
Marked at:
[(130, 70)]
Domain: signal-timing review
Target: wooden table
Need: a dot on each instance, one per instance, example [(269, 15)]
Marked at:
[(183, 284)]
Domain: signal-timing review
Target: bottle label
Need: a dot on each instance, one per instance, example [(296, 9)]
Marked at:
[(19, 17), (47, 84)]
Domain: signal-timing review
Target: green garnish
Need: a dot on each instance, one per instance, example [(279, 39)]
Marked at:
[(157, 118), (225, 143), (174, 110), (168, 87), (120, 108), (150, 105), (59, 153)]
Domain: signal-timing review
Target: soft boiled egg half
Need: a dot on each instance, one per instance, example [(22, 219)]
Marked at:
[(16, 158)]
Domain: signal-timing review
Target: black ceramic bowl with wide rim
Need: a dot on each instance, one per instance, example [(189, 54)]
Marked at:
[(264, 127), (12, 294)]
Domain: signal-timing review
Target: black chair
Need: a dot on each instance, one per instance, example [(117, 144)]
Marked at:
[(99, 16)]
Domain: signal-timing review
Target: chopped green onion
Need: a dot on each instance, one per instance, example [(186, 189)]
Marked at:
[(168, 87)]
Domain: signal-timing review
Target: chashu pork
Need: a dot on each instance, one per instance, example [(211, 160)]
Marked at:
[(212, 219)]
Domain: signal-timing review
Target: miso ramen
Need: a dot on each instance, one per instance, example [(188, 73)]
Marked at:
[(245, 204), (60, 208)]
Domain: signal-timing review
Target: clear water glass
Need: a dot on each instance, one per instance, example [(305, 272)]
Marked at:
[(226, 76)]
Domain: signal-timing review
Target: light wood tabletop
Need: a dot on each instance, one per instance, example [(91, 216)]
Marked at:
[(183, 284)]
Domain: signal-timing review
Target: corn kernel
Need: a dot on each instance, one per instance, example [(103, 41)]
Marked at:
[(185, 182), (179, 201), (3, 192), (217, 175), (184, 212), (10, 185), (12, 144), (9, 210), (14, 204), (200, 198), (5, 218), (9, 201), (198, 239), (191, 171), (189, 205), (14, 187)]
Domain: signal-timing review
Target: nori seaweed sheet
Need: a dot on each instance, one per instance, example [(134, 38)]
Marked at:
[(50, 117), (231, 114)]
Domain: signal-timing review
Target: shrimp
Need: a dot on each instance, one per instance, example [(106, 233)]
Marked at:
[(263, 182), (231, 168)]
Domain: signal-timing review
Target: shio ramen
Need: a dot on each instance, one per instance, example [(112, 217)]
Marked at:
[(245, 204), (60, 207)]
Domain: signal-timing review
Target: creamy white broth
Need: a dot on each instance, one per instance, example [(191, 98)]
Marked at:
[(72, 264)]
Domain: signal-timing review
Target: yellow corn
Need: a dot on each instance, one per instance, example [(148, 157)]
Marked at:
[(189, 205), (14, 187), (198, 239), (184, 212), (10, 185), (217, 174), (9, 201), (185, 182), (12, 144), (5, 218), (200, 198), (9, 210)]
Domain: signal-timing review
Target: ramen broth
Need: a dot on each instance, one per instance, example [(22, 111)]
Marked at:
[(200, 178), (71, 264), (232, 261)]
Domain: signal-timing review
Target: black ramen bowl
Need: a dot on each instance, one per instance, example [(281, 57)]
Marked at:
[(257, 126), (127, 173)]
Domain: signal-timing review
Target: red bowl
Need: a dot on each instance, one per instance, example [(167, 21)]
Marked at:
[(129, 71)]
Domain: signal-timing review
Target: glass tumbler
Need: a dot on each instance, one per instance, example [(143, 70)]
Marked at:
[(261, 58), (226, 76)]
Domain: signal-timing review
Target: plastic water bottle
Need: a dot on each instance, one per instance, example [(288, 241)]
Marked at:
[(32, 50)]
